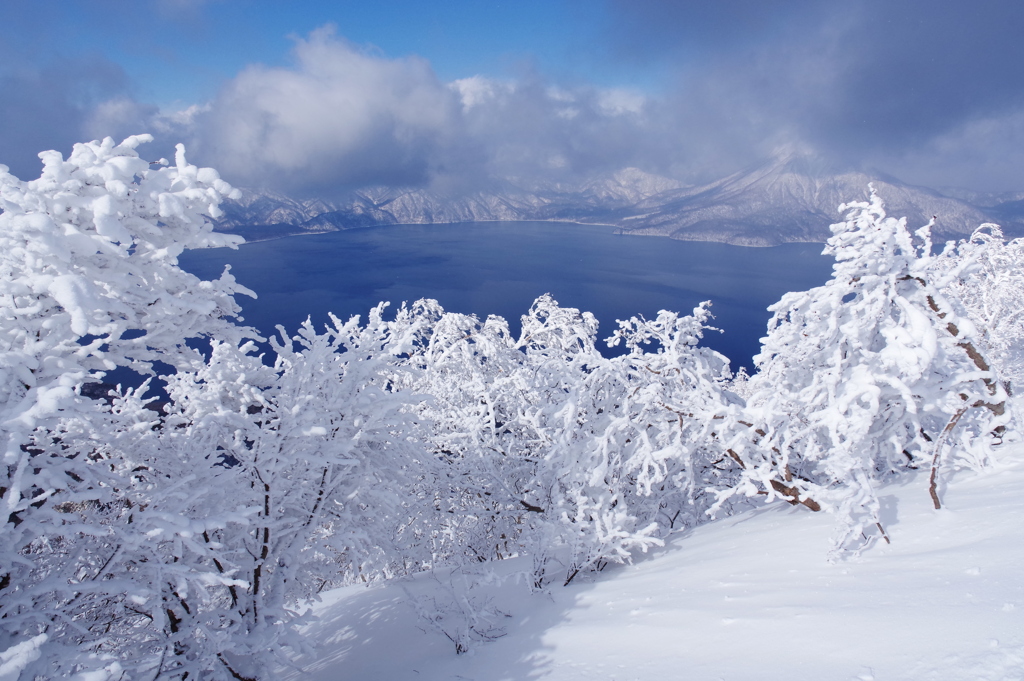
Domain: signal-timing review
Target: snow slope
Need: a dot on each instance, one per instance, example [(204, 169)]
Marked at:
[(748, 597)]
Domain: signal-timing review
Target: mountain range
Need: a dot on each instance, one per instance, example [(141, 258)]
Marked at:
[(790, 198)]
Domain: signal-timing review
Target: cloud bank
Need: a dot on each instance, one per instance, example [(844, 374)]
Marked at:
[(344, 116), (907, 85), (931, 92)]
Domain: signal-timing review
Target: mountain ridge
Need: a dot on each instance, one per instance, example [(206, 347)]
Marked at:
[(790, 198)]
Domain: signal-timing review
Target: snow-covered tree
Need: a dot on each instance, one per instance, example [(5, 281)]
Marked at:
[(316, 453), (259, 487), (490, 399), (89, 281), (632, 450), (985, 274), (564, 455), (869, 375)]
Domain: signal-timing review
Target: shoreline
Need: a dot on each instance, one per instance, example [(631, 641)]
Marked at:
[(618, 231)]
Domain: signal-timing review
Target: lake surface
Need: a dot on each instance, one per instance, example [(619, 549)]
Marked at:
[(502, 267)]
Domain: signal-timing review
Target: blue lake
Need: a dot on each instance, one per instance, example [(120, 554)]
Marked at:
[(501, 267)]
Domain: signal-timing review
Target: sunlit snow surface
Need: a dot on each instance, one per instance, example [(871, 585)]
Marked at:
[(749, 597)]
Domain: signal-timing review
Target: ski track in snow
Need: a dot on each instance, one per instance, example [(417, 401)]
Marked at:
[(747, 597)]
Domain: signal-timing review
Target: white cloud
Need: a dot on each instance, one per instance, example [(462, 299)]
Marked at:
[(344, 116), (341, 116), (183, 118), (479, 90), (620, 101)]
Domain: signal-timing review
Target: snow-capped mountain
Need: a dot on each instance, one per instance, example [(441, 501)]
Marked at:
[(789, 198)]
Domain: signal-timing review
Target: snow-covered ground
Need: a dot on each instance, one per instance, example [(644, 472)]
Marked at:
[(748, 597)]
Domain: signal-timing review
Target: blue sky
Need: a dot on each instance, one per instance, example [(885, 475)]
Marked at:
[(183, 51), (316, 97)]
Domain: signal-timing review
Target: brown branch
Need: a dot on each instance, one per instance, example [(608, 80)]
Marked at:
[(882, 530), (319, 498), (530, 507), (933, 479), (257, 572), (790, 493)]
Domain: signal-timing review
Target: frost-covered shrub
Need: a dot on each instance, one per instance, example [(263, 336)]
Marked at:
[(316, 453), (491, 398), (561, 454), (866, 376), (256, 488), (183, 539), (634, 449)]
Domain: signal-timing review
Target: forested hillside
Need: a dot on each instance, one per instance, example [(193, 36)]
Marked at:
[(182, 538)]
